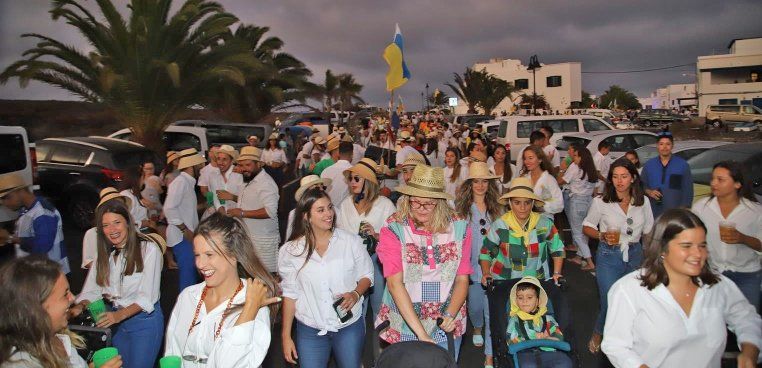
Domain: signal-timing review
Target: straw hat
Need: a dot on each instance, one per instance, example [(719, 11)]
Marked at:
[(478, 156), (252, 137), (110, 193), (413, 159), (534, 281), (365, 168), (521, 187), (228, 150), (314, 136), (480, 170), (319, 140), (11, 182), (333, 144), (249, 153), (171, 156), (315, 130), (156, 238), (348, 138), (309, 181), (273, 137), (404, 136), (427, 182), (188, 158)]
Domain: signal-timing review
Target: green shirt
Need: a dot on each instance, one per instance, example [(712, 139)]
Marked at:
[(322, 165)]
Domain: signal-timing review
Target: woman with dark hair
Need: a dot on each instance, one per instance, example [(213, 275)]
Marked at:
[(733, 218), (477, 201), (131, 187), (500, 165), (225, 320), (675, 311), (433, 153), (581, 176), (633, 157), (35, 315), (325, 272), (127, 273), (537, 168), (618, 220), (454, 173)]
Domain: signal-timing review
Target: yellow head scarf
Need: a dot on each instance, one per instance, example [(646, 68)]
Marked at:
[(518, 230)]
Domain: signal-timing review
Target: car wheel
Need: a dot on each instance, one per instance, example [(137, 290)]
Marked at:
[(81, 209), (716, 123)]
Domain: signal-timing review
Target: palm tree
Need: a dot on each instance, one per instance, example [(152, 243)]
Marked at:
[(348, 92), (469, 87), (145, 68), (327, 92), (539, 101), (438, 98), (495, 91)]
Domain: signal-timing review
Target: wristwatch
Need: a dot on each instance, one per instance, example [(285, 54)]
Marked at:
[(447, 314)]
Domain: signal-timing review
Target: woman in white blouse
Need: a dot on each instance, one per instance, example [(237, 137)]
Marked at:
[(537, 167), (625, 209), (274, 158), (325, 271), (364, 212), (501, 166), (127, 273), (675, 311), (454, 173), (735, 250), (36, 294), (581, 176), (224, 321)]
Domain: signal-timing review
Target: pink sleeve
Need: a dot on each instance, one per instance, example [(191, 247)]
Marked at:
[(464, 268), (389, 252)]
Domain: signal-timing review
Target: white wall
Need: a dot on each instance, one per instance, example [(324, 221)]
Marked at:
[(728, 76)]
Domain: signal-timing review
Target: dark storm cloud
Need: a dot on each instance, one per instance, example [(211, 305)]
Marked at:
[(443, 37)]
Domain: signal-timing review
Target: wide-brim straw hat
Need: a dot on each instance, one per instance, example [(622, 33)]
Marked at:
[(319, 140), (404, 136), (366, 168), (110, 193), (480, 170), (534, 281), (189, 158), (249, 153), (427, 182), (333, 144), (273, 137), (171, 156), (11, 182), (158, 239), (521, 187), (228, 150), (309, 181), (413, 159)]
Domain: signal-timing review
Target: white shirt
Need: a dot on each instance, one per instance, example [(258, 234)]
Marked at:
[(314, 285), (649, 327), (180, 207), (262, 192), (602, 164), (547, 189), (349, 220), (451, 187), (602, 213), (357, 153), (89, 246), (239, 346), (22, 359), (270, 156), (204, 174), (231, 182), (137, 210), (306, 151), (290, 223), (552, 155), (338, 190), (503, 187), (731, 257), (141, 288), (577, 185)]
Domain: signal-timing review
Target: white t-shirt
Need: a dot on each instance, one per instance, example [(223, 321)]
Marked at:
[(553, 156), (548, 190), (349, 220), (602, 164), (577, 185), (451, 187), (203, 177), (270, 156), (338, 190)]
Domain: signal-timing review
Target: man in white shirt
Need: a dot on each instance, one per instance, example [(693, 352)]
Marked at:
[(206, 171), (225, 184), (338, 190), (602, 164), (258, 206), (182, 217), (304, 158)]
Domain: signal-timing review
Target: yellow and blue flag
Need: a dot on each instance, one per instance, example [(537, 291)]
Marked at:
[(398, 73)]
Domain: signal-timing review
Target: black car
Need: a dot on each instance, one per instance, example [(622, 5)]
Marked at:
[(72, 171), (749, 154)]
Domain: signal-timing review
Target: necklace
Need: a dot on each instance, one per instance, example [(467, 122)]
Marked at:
[(224, 313)]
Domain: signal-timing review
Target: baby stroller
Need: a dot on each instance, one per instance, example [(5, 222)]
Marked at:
[(416, 354), (498, 296)]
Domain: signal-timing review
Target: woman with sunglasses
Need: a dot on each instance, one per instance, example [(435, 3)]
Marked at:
[(618, 219), (364, 212), (477, 201), (425, 250), (225, 321)]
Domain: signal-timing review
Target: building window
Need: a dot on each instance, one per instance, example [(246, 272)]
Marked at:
[(554, 81), (521, 83), (728, 101)]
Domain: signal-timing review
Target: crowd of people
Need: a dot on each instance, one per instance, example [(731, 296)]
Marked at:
[(406, 225)]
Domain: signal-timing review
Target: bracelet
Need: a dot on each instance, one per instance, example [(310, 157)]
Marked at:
[(447, 314), (356, 293), (557, 273)]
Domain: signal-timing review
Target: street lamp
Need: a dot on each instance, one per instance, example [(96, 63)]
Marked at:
[(427, 96), (423, 101), (533, 66)]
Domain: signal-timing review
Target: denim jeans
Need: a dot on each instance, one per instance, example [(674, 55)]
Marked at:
[(609, 268), (478, 312), (576, 212), (186, 264), (376, 292), (749, 283), (458, 341), (547, 359), (139, 337), (346, 345)]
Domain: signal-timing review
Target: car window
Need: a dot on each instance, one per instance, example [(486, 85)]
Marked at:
[(124, 136), (646, 153), (525, 128), (13, 152), (41, 151), (221, 134), (643, 139), (748, 110), (701, 165), (619, 143), (70, 155), (686, 154), (503, 129), (593, 125), (176, 141), (134, 158), (564, 143)]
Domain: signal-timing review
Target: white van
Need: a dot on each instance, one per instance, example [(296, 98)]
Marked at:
[(514, 131), (18, 157)]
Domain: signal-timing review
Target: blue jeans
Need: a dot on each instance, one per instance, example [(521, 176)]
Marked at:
[(346, 345), (458, 342), (138, 338), (609, 268), (749, 283), (576, 212), (376, 293), (548, 359), (478, 312), (186, 264)]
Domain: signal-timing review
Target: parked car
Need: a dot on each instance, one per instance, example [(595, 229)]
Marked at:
[(176, 138), (749, 154), (18, 157), (612, 117), (683, 149), (73, 170), (655, 117), (489, 128), (470, 119), (621, 141), (234, 134), (719, 115), (514, 131)]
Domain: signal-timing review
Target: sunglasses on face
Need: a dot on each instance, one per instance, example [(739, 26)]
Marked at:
[(426, 206), (355, 178)]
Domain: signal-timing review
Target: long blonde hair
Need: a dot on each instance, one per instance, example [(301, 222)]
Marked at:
[(440, 218)]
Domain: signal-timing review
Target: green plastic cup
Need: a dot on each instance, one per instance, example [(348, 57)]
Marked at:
[(209, 199), (104, 355), (170, 361), (97, 308)]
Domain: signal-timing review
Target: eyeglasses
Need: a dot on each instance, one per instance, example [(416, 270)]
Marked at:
[(483, 223), (418, 205), (629, 228), (321, 187), (355, 178)]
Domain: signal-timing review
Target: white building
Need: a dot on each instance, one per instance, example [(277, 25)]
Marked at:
[(560, 84), (733, 78), (674, 96)]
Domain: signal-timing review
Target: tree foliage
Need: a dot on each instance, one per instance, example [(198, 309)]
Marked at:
[(619, 98), (480, 89)]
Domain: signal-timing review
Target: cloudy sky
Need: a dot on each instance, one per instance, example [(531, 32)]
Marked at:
[(446, 36)]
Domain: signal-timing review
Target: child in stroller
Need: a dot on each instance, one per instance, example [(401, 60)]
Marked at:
[(530, 320)]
